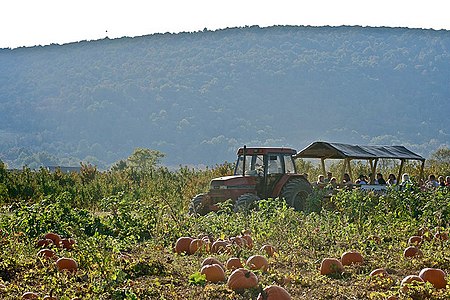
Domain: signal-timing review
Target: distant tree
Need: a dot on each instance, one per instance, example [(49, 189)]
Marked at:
[(439, 162), (144, 159)]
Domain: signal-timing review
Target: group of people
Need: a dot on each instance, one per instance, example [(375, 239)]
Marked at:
[(332, 183)]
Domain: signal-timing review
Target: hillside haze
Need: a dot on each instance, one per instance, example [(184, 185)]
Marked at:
[(198, 96)]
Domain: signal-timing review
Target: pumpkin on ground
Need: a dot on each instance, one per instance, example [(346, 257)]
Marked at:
[(238, 241), (234, 263), (415, 240), (269, 249), (46, 253), (257, 262), (410, 280), (67, 243), (43, 242), (379, 272), (30, 295), (412, 251), (66, 264), (196, 245), (211, 261), (441, 236), (331, 266), (274, 292), (56, 238), (434, 276), (214, 273), (248, 241), (182, 245), (219, 246), (351, 257), (241, 279)]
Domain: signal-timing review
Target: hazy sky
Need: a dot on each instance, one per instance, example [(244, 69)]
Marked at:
[(42, 22)]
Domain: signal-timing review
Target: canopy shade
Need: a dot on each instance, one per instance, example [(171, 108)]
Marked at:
[(327, 150)]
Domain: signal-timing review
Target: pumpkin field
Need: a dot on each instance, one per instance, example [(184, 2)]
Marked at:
[(126, 234)]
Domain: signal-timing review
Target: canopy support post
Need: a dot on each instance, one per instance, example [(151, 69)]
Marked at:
[(400, 171), (322, 161)]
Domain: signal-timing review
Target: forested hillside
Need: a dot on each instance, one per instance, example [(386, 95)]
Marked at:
[(198, 96)]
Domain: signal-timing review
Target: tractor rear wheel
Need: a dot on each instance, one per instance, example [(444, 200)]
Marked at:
[(245, 202), (196, 206), (295, 192)]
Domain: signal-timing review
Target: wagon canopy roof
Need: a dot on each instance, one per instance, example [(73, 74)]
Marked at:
[(341, 151)]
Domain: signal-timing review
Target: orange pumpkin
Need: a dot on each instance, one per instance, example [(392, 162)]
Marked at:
[(415, 240), (351, 257), (214, 273), (238, 241), (182, 245), (241, 279), (331, 266), (412, 251), (196, 245), (43, 242), (441, 236), (269, 249), (435, 276), (249, 241), (56, 239), (66, 264), (30, 295), (46, 253), (219, 246), (234, 263), (274, 292), (409, 280), (67, 243), (379, 272), (392, 297), (211, 261), (257, 262)]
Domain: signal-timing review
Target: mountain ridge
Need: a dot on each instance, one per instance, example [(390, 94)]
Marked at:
[(198, 96)]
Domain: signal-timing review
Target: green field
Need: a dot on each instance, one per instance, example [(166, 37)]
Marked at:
[(125, 223)]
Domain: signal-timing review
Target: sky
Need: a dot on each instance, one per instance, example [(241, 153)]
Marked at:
[(44, 22)]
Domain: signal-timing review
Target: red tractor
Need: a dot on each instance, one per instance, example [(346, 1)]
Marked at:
[(260, 173)]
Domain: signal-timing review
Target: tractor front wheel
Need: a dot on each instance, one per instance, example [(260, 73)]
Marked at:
[(295, 192), (197, 207), (245, 202)]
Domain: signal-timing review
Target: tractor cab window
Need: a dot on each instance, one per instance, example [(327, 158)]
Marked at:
[(289, 165), (274, 164), (254, 165)]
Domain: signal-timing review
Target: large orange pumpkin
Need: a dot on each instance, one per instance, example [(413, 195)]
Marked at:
[(66, 264), (274, 292), (241, 279), (182, 245), (257, 262), (214, 273), (351, 257), (331, 266), (412, 251), (435, 276), (238, 241), (234, 263)]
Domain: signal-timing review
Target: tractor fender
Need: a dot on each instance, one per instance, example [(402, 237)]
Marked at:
[(286, 177)]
